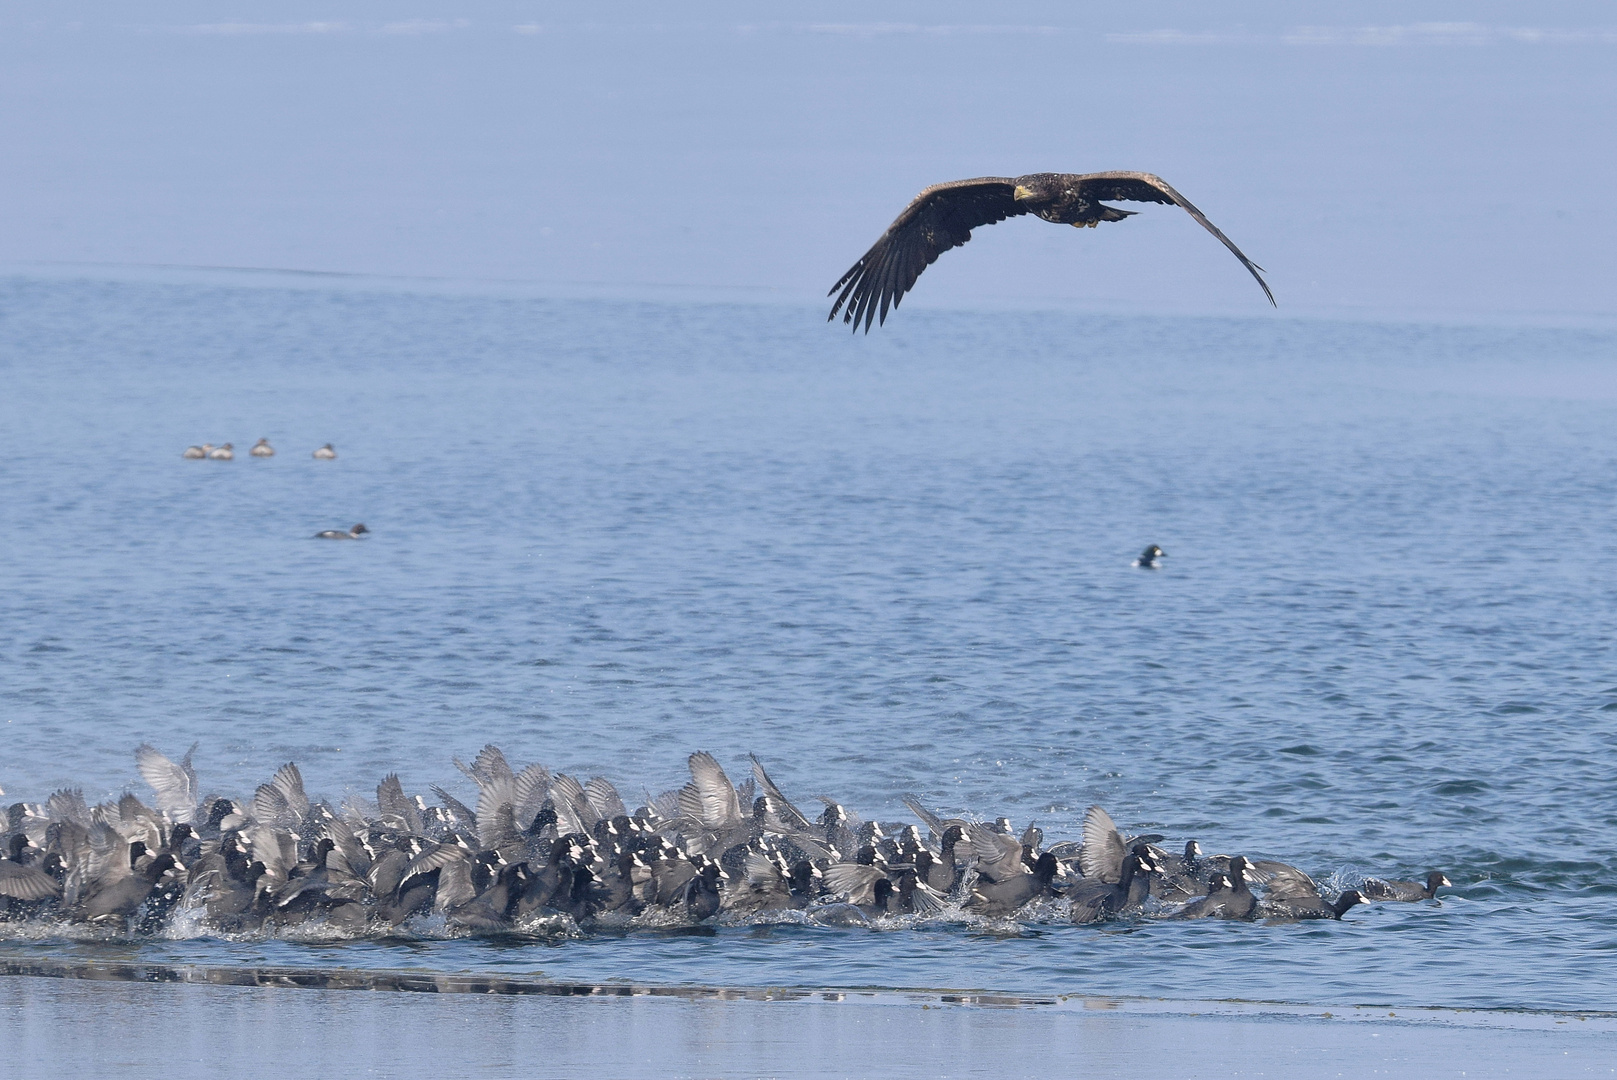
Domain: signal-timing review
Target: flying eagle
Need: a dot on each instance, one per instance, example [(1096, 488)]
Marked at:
[(942, 217)]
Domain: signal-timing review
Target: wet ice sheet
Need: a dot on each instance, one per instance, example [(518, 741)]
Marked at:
[(216, 1027)]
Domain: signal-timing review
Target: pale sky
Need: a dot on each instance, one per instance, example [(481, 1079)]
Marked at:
[(1415, 160)]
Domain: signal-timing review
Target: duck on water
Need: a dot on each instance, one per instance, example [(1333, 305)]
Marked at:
[(1150, 559), (337, 534), (1376, 889)]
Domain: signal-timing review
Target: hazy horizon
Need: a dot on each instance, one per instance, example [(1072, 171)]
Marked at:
[(1381, 161)]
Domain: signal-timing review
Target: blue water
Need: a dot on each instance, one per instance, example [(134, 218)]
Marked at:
[(608, 533)]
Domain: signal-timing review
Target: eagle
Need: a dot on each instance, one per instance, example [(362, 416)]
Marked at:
[(942, 217)]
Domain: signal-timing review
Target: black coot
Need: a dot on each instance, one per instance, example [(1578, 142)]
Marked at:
[(1377, 890)]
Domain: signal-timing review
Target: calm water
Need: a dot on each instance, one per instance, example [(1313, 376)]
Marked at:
[(610, 533)]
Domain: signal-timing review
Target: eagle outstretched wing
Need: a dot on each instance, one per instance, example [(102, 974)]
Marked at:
[(1147, 187), (939, 218)]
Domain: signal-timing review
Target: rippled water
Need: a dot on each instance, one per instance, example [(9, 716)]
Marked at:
[(609, 533)]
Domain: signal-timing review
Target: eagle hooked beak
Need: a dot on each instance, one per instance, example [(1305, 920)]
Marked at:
[(1021, 191)]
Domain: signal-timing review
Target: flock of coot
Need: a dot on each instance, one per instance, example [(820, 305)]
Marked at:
[(543, 853)]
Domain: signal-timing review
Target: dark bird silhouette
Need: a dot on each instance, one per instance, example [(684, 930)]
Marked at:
[(231, 893), (702, 897), (772, 885), (1007, 896), (337, 534), (942, 217), (1096, 900), (1290, 894), (1376, 889), (118, 897), (1151, 558), (1318, 908), (1228, 897), (19, 881), (491, 911)]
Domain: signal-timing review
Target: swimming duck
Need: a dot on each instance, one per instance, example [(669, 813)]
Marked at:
[(222, 453), (864, 886), (325, 453), (837, 835), (1103, 849), (197, 453), (319, 885), (1320, 909), (1377, 890), (121, 889), (230, 891), (772, 885), (1095, 900), (399, 896), (617, 885), (548, 889), (1151, 558), (911, 896), (262, 448), (1182, 877), (873, 901), (942, 871), (19, 881), (1229, 897), (702, 896), (1010, 894), (1290, 894), (998, 853), (337, 534), (492, 910)]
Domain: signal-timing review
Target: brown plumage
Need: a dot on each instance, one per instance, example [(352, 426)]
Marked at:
[(942, 217)]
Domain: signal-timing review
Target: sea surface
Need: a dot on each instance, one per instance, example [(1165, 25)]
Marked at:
[(606, 533)]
